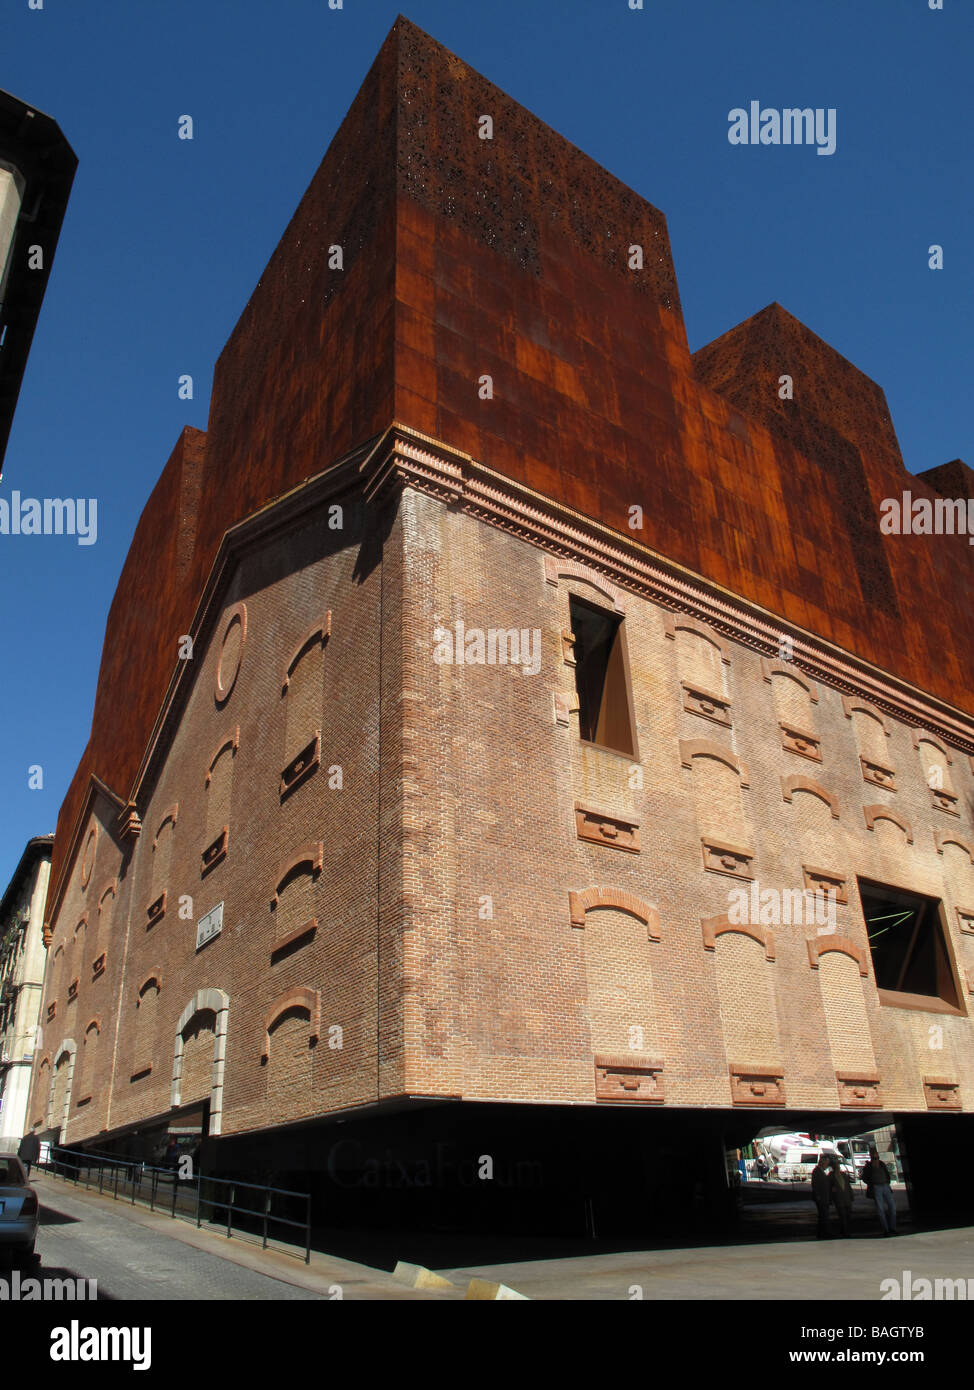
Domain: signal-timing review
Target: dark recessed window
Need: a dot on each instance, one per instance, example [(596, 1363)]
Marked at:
[(908, 943), (601, 678)]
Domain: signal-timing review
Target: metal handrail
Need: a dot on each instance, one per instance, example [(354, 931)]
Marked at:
[(134, 1171)]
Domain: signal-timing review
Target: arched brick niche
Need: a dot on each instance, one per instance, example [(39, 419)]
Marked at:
[(85, 1080), (152, 981), (770, 669), (794, 696), (878, 811), (303, 696), (308, 859), (920, 736), (168, 823), (556, 569), (230, 658), (707, 748), (819, 946), (106, 904), (229, 743), (872, 730), (591, 899), (674, 623), (297, 999), (712, 927), (935, 763), (718, 779), (702, 659), (148, 1007), (854, 704), (162, 848), (218, 785), (942, 838), (293, 900), (316, 636), (791, 785)]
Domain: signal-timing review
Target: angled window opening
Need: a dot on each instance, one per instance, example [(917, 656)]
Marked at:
[(602, 678), (909, 947)]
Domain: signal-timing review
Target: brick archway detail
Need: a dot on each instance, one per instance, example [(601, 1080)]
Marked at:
[(712, 927), (679, 622), (555, 569), (790, 785), (591, 899), (706, 748), (298, 997), (819, 945), (879, 811), (311, 854)]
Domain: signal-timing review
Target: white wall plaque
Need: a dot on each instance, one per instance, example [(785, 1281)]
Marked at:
[(209, 926)]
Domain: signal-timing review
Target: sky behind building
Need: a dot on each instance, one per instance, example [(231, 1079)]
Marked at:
[(164, 238)]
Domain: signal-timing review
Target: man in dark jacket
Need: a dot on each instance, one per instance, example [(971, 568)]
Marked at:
[(822, 1196), (875, 1175), (29, 1151)]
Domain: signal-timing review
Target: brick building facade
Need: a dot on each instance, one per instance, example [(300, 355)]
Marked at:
[(320, 870)]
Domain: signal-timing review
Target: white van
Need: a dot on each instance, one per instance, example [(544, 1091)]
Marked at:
[(795, 1156)]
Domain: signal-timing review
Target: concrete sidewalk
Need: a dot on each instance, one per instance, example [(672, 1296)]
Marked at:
[(843, 1270), (324, 1275)]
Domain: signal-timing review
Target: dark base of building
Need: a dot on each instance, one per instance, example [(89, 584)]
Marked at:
[(447, 1182)]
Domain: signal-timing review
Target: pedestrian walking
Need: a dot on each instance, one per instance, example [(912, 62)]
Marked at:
[(875, 1175), (29, 1151), (822, 1197), (842, 1197)]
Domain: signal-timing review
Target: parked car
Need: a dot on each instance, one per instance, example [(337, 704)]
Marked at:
[(18, 1208)]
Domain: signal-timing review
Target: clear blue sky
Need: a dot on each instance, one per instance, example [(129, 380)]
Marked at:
[(165, 239)]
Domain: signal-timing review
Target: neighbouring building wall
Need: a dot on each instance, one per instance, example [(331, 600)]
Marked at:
[(21, 986)]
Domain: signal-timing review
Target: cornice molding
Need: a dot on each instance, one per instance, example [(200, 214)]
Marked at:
[(406, 458)]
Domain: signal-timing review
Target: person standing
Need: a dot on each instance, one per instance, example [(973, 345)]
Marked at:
[(822, 1196), (29, 1151), (875, 1175), (841, 1195)]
